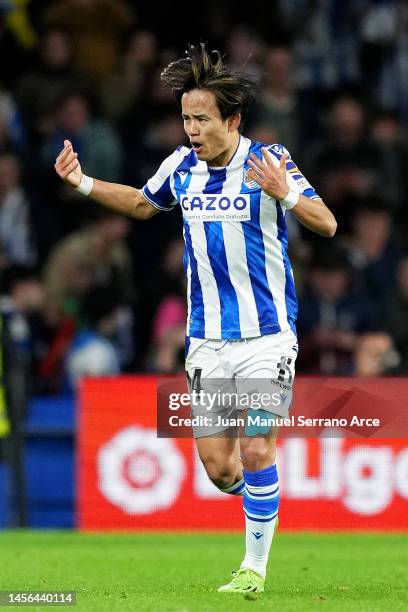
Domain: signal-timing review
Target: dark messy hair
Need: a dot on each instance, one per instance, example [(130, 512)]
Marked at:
[(203, 69)]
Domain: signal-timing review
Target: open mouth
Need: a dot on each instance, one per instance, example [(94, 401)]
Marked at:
[(196, 146)]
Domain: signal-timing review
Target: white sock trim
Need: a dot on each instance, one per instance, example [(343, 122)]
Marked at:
[(233, 487)]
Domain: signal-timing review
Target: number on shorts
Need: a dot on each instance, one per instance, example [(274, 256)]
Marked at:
[(284, 369), (195, 383)]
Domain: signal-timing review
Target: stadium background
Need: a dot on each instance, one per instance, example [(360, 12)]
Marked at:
[(84, 293)]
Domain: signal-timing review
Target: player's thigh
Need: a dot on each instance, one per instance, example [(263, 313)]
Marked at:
[(269, 356), (202, 360), (210, 387), (265, 370)]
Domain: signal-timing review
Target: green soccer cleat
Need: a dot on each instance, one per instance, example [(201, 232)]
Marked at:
[(244, 581)]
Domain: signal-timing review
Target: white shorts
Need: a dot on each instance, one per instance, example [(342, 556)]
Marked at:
[(265, 364)]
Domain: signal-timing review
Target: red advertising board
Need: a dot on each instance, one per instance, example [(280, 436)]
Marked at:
[(129, 478)]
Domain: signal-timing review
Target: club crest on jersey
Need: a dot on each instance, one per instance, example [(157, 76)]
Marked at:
[(249, 181)]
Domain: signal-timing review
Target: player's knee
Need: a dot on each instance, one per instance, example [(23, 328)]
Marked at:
[(222, 471), (256, 454)]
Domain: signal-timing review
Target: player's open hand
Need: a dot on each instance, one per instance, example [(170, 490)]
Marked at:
[(270, 177), (67, 165)]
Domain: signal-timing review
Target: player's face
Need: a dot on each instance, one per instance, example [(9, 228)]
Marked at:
[(211, 137)]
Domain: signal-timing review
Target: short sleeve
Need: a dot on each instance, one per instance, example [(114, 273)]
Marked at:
[(158, 189), (295, 177)]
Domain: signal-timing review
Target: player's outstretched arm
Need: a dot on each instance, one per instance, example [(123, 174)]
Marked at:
[(120, 198)]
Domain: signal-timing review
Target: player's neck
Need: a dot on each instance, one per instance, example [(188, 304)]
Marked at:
[(225, 157)]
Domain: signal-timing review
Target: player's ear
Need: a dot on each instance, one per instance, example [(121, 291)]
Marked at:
[(234, 122)]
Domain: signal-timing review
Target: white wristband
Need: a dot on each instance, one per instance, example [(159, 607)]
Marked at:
[(291, 198), (85, 186)]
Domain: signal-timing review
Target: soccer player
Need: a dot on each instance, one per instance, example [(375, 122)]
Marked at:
[(234, 195)]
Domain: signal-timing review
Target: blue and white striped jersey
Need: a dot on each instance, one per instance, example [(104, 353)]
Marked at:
[(239, 278)]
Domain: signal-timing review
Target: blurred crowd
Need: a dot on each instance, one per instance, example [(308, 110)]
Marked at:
[(83, 291)]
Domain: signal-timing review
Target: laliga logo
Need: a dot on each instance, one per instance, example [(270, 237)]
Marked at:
[(140, 473), (364, 478)]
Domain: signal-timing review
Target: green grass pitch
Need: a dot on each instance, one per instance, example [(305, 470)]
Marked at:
[(181, 572)]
